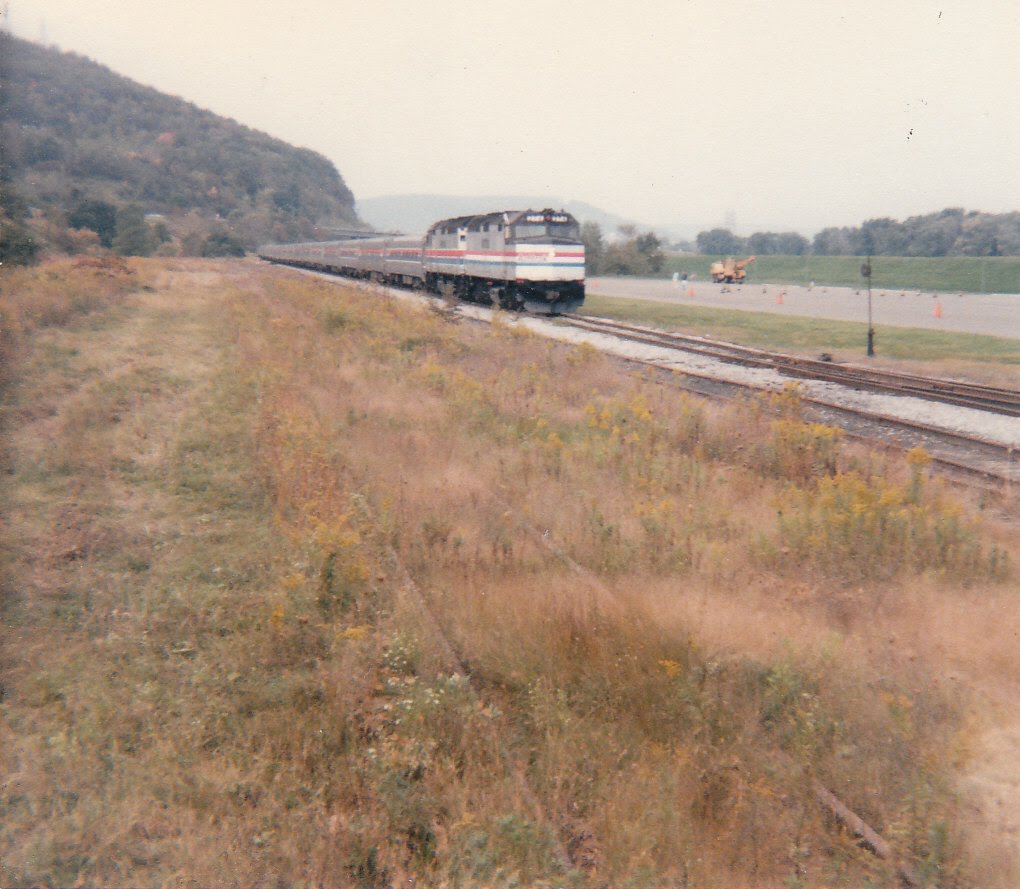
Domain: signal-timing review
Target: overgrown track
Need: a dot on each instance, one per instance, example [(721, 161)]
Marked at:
[(986, 398)]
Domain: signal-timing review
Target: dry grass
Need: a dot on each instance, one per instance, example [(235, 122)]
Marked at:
[(617, 664)]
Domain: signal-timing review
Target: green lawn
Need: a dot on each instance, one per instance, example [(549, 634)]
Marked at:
[(807, 335), (971, 274)]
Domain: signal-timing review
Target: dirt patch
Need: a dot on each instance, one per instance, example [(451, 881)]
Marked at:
[(990, 786)]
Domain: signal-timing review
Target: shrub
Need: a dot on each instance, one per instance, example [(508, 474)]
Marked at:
[(856, 529), (17, 244), (221, 244)]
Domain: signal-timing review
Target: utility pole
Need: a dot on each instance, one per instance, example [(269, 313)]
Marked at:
[(866, 271)]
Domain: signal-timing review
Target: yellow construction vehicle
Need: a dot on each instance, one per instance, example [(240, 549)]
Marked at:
[(731, 271)]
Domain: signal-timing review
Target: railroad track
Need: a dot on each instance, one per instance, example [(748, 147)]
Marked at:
[(974, 458), (960, 394)]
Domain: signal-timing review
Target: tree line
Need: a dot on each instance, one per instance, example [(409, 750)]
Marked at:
[(94, 224), (632, 253), (949, 232)]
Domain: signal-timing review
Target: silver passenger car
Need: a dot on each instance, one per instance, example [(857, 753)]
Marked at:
[(516, 259)]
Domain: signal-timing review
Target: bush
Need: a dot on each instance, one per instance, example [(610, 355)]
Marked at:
[(856, 529), (221, 244), (134, 237), (97, 216), (17, 246)]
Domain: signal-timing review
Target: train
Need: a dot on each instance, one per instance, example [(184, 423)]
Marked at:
[(519, 260)]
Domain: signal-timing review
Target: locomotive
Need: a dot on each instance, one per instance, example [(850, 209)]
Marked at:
[(530, 260)]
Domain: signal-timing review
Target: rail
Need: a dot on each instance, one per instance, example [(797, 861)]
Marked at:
[(954, 392)]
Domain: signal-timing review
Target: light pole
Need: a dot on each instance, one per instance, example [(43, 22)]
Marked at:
[(866, 271)]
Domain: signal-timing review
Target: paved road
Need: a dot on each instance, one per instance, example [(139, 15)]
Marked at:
[(997, 314)]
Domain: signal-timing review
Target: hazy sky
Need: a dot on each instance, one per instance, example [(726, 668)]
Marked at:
[(782, 114)]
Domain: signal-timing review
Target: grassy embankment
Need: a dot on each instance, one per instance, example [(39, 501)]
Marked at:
[(942, 274), (639, 628), (812, 335)]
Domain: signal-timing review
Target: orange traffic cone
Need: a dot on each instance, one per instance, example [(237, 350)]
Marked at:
[(690, 293), (938, 309), (779, 299)]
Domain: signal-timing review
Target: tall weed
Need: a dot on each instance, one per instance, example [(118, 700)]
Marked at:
[(388, 620), (854, 529)]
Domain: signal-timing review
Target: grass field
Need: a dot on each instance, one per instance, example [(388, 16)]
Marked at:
[(943, 274), (304, 585), (998, 356)]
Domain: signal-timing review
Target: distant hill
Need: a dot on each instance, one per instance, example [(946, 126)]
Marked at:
[(73, 131), (413, 213)]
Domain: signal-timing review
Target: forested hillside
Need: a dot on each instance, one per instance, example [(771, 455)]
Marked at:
[(81, 143)]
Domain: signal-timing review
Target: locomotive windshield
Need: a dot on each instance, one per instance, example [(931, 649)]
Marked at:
[(554, 225)]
